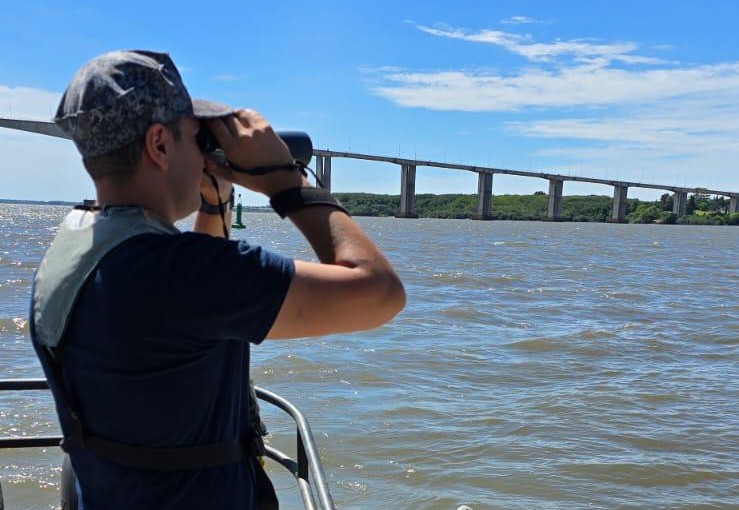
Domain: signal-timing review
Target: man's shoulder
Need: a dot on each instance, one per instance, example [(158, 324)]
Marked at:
[(154, 252), (183, 243), (192, 251)]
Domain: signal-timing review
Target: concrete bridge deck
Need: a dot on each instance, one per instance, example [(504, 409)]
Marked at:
[(522, 173), (485, 178), (485, 184)]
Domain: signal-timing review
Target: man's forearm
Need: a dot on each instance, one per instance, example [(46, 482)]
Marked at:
[(353, 288), (335, 237)]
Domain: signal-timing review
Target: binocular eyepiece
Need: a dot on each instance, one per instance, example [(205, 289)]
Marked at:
[(299, 143)]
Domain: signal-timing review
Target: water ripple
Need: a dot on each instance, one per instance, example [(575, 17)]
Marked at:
[(537, 365)]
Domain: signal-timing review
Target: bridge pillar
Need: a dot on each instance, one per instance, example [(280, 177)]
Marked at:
[(619, 204), (484, 196), (734, 204), (407, 192), (679, 203), (323, 171), (554, 210)]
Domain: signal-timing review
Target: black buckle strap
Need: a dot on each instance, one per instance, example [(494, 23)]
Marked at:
[(168, 459), (294, 199)]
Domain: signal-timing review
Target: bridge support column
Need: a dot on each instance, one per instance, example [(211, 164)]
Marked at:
[(619, 204), (407, 192), (734, 204), (679, 203), (554, 210), (484, 196), (323, 171)]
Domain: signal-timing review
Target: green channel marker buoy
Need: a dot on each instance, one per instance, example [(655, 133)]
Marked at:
[(238, 223)]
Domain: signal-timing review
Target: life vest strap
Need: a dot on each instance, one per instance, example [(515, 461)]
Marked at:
[(167, 459)]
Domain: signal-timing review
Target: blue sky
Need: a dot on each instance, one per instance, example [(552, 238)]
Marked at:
[(634, 90)]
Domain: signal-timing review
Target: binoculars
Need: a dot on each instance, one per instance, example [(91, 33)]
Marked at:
[(299, 143)]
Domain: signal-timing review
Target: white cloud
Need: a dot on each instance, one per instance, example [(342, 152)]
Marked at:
[(579, 49), (505, 39), (677, 133), (28, 103), (571, 87), (607, 105), (381, 69), (687, 141), (668, 128), (520, 20), (228, 77)]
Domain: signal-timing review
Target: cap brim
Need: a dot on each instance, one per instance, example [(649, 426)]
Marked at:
[(202, 109)]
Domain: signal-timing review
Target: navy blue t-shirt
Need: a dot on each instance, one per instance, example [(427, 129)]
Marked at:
[(157, 354)]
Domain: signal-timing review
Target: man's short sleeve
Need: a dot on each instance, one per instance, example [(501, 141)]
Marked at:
[(202, 287)]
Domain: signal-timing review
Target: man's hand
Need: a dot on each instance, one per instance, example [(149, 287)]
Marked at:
[(249, 141)]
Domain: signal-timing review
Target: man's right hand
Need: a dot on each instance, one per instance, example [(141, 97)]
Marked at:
[(249, 141)]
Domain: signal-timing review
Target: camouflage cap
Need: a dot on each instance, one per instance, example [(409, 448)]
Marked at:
[(116, 96)]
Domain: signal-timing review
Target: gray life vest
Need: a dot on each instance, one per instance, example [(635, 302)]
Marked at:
[(84, 238)]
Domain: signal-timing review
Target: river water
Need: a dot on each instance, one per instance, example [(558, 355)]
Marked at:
[(536, 366)]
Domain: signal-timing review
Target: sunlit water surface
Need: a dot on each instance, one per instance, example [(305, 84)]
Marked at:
[(536, 366)]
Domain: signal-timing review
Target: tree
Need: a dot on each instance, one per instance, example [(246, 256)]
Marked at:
[(645, 213), (701, 202), (666, 201), (690, 206), (719, 204)]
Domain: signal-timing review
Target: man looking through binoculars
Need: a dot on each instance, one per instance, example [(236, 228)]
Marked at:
[(142, 330)]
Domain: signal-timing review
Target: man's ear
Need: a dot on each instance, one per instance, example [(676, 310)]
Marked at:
[(158, 145)]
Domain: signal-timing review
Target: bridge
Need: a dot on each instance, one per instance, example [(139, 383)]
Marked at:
[(484, 183)]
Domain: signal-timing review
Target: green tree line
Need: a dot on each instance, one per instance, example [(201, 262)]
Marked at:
[(701, 209)]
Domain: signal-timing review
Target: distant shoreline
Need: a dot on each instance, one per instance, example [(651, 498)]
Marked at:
[(701, 209), (37, 202), (246, 208)]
